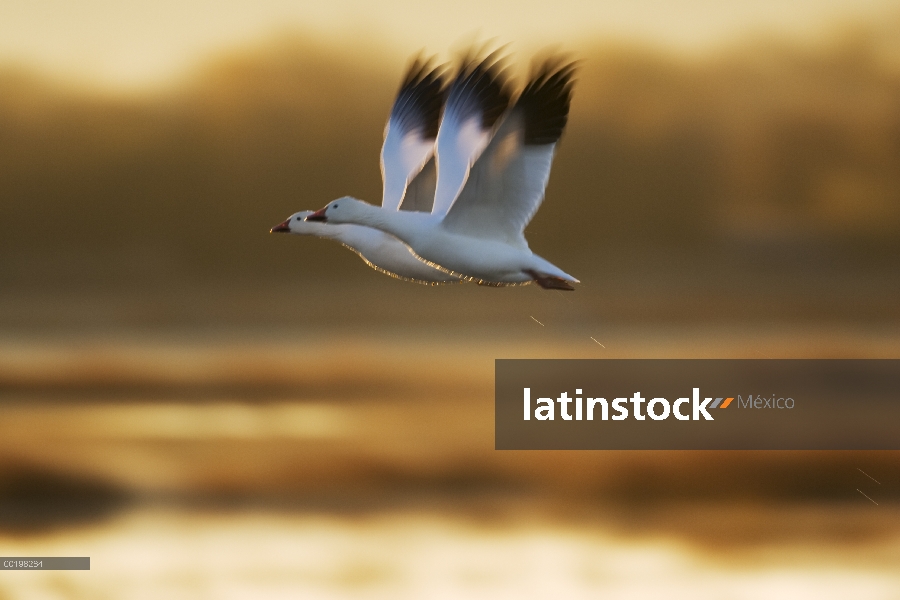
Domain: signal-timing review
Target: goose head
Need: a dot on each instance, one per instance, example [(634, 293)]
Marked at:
[(342, 210), (296, 223)]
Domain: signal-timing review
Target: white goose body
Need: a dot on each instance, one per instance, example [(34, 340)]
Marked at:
[(381, 251), (481, 260), (481, 236)]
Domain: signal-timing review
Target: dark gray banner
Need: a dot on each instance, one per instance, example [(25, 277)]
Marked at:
[(45, 563), (684, 404)]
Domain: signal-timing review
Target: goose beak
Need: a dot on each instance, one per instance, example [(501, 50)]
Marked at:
[(319, 215), (281, 227)]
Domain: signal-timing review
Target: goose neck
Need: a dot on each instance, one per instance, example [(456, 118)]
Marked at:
[(397, 223)]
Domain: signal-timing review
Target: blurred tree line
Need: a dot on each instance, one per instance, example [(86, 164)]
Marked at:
[(766, 150)]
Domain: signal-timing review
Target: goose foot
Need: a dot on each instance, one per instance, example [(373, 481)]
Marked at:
[(549, 282)]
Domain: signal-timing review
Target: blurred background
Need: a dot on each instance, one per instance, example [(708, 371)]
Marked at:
[(210, 411)]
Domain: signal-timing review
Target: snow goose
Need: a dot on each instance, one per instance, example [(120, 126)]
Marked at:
[(476, 98), (481, 237)]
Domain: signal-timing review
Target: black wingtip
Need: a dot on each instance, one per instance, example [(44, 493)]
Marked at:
[(421, 96), (481, 84), (546, 99)]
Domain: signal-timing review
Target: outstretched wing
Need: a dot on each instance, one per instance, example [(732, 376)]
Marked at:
[(506, 184), (478, 97), (411, 129)]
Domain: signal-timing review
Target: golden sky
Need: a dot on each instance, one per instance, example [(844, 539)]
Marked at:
[(124, 44)]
